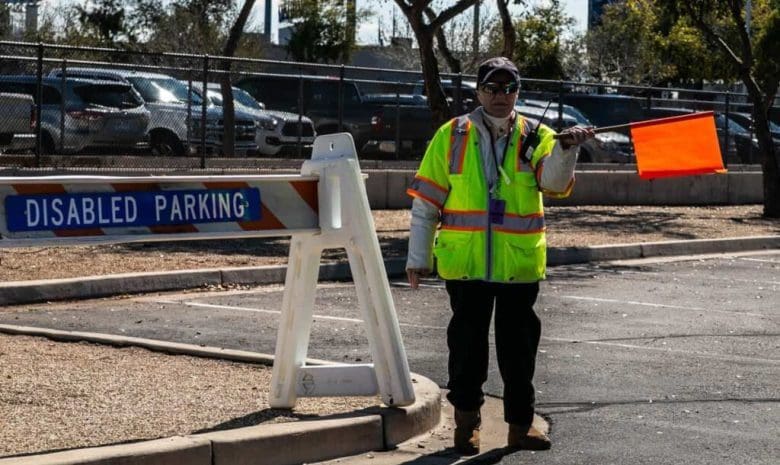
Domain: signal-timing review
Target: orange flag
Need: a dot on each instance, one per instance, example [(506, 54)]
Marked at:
[(677, 146)]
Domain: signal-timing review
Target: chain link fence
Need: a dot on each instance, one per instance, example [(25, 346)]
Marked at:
[(71, 108)]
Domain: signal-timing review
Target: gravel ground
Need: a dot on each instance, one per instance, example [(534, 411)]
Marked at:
[(65, 395), (57, 396)]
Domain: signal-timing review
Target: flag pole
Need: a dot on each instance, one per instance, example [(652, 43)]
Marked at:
[(604, 129)]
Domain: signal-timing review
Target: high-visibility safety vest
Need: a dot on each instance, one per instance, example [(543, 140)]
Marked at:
[(471, 244)]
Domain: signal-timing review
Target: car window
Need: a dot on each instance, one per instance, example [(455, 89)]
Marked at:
[(322, 94), (245, 99), (163, 90), (215, 97), (51, 96), (734, 127), (279, 94), (114, 96)]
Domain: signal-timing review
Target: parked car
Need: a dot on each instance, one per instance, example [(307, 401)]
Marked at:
[(175, 113), (606, 147), (89, 113), (406, 116), (749, 152), (567, 109), (17, 122), (320, 102), (468, 93), (277, 131), (606, 109)]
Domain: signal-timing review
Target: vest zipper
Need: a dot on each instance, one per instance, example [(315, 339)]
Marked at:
[(489, 241)]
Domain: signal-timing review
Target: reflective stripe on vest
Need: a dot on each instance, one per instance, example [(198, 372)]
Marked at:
[(428, 190), (478, 221), (459, 139)]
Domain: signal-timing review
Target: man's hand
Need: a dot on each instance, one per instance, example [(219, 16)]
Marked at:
[(414, 275), (575, 135)]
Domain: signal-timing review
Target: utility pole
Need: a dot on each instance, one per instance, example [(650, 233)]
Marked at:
[(748, 15), (475, 41)]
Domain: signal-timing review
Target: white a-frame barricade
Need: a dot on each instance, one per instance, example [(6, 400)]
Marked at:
[(324, 207)]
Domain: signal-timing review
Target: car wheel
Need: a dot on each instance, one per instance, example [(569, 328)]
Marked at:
[(166, 144)]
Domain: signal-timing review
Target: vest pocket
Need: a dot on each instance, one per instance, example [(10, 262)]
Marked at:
[(522, 262), (454, 254)]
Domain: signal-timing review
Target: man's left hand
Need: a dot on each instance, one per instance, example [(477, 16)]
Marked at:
[(575, 135)]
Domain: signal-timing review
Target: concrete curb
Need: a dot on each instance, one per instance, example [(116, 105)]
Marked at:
[(378, 428), (22, 292)]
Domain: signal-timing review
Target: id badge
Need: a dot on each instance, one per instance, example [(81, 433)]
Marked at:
[(496, 211)]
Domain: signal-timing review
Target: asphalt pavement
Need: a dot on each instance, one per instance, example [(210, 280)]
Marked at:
[(666, 360)]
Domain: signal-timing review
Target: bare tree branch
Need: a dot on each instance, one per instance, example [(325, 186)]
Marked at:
[(441, 42), (508, 29)]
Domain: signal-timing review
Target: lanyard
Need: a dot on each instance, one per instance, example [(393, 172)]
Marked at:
[(500, 172)]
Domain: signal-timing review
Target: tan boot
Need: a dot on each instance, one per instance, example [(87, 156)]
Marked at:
[(527, 438), (467, 431)]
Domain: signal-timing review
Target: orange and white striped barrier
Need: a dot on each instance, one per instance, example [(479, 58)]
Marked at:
[(90, 209), (324, 207)]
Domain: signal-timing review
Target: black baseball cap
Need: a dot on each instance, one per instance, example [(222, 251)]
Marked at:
[(493, 65)]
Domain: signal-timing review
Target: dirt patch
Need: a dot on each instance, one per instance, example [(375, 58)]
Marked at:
[(56, 396)]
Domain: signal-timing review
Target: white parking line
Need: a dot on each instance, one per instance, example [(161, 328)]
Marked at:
[(278, 312), (759, 260), (727, 358), (694, 276), (650, 304)]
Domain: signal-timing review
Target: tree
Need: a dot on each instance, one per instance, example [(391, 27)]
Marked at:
[(188, 26), (626, 45), (323, 31), (441, 43), (105, 20), (424, 32), (753, 51), (638, 42), (539, 42), (225, 84), (507, 28)]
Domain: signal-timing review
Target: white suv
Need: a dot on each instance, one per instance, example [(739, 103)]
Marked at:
[(277, 130)]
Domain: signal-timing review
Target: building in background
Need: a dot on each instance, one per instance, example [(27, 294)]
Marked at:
[(18, 17), (595, 7), (278, 21)]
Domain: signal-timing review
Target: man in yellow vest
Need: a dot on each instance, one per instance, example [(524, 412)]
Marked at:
[(482, 178)]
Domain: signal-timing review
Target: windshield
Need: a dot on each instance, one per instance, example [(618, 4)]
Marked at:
[(733, 125), (245, 99), (215, 97), (577, 115), (162, 90)]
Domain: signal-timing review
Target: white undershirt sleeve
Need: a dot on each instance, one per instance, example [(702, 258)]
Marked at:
[(425, 218), (558, 169)]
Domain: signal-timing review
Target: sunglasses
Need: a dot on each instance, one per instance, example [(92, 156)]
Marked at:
[(495, 89)]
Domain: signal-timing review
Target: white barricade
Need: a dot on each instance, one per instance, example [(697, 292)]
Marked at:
[(324, 207)]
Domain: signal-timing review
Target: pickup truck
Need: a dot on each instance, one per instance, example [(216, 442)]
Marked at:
[(17, 123), (404, 121), (362, 114)]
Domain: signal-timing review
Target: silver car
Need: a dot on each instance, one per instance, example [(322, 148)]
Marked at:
[(88, 114), (175, 111), (606, 147)]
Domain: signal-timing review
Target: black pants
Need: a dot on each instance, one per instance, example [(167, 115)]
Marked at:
[(517, 330)]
